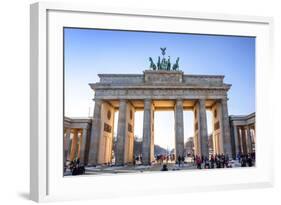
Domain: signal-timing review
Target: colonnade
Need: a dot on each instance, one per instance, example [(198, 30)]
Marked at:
[(75, 144), (245, 139), (101, 140)]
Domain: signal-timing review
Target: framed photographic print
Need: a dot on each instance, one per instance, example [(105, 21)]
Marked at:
[(142, 100)]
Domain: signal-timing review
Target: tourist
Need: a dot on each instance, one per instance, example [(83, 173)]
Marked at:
[(218, 161), (226, 160), (164, 168), (212, 161), (182, 159), (250, 161), (194, 159), (198, 162), (223, 160), (161, 159), (243, 161), (179, 160), (253, 155), (238, 156), (206, 163)]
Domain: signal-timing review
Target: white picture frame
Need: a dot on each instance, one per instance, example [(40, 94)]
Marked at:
[(46, 180)]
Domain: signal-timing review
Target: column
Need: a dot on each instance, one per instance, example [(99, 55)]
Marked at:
[(79, 143), (95, 133), (66, 145), (254, 134), (147, 132), (202, 128), (249, 140), (236, 139), (253, 138), (83, 143), (121, 133), (74, 143), (197, 149), (226, 129), (244, 141), (216, 128), (129, 140), (240, 140), (215, 143), (179, 130), (152, 133)]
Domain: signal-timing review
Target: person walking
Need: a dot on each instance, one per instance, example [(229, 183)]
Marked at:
[(179, 160), (206, 163), (212, 161), (198, 162), (182, 159), (243, 161), (250, 161)]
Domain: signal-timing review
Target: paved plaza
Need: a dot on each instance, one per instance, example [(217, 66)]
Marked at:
[(157, 167)]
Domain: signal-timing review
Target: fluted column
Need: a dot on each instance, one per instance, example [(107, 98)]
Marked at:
[(179, 129), (240, 138), (226, 128), (66, 144), (74, 145), (254, 134), (83, 143), (249, 140), (244, 141), (95, 133), (121, 133), (202, 126), (147, 131), (236, 139)]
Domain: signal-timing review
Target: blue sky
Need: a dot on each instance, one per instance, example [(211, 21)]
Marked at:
[(89, 52)]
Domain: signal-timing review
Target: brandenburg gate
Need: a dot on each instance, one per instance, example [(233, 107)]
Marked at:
[(152, 91), (162, 87)]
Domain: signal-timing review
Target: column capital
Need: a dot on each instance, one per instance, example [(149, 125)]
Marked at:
[(202, 100), (147, 100), (123, 100), (179, 101), (97, 101), (224, 100)]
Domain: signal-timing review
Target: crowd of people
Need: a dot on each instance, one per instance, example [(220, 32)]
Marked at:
[(163, 158), (75, 167), (202, 162), (223, 161), (246, 159), (214, 161)]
